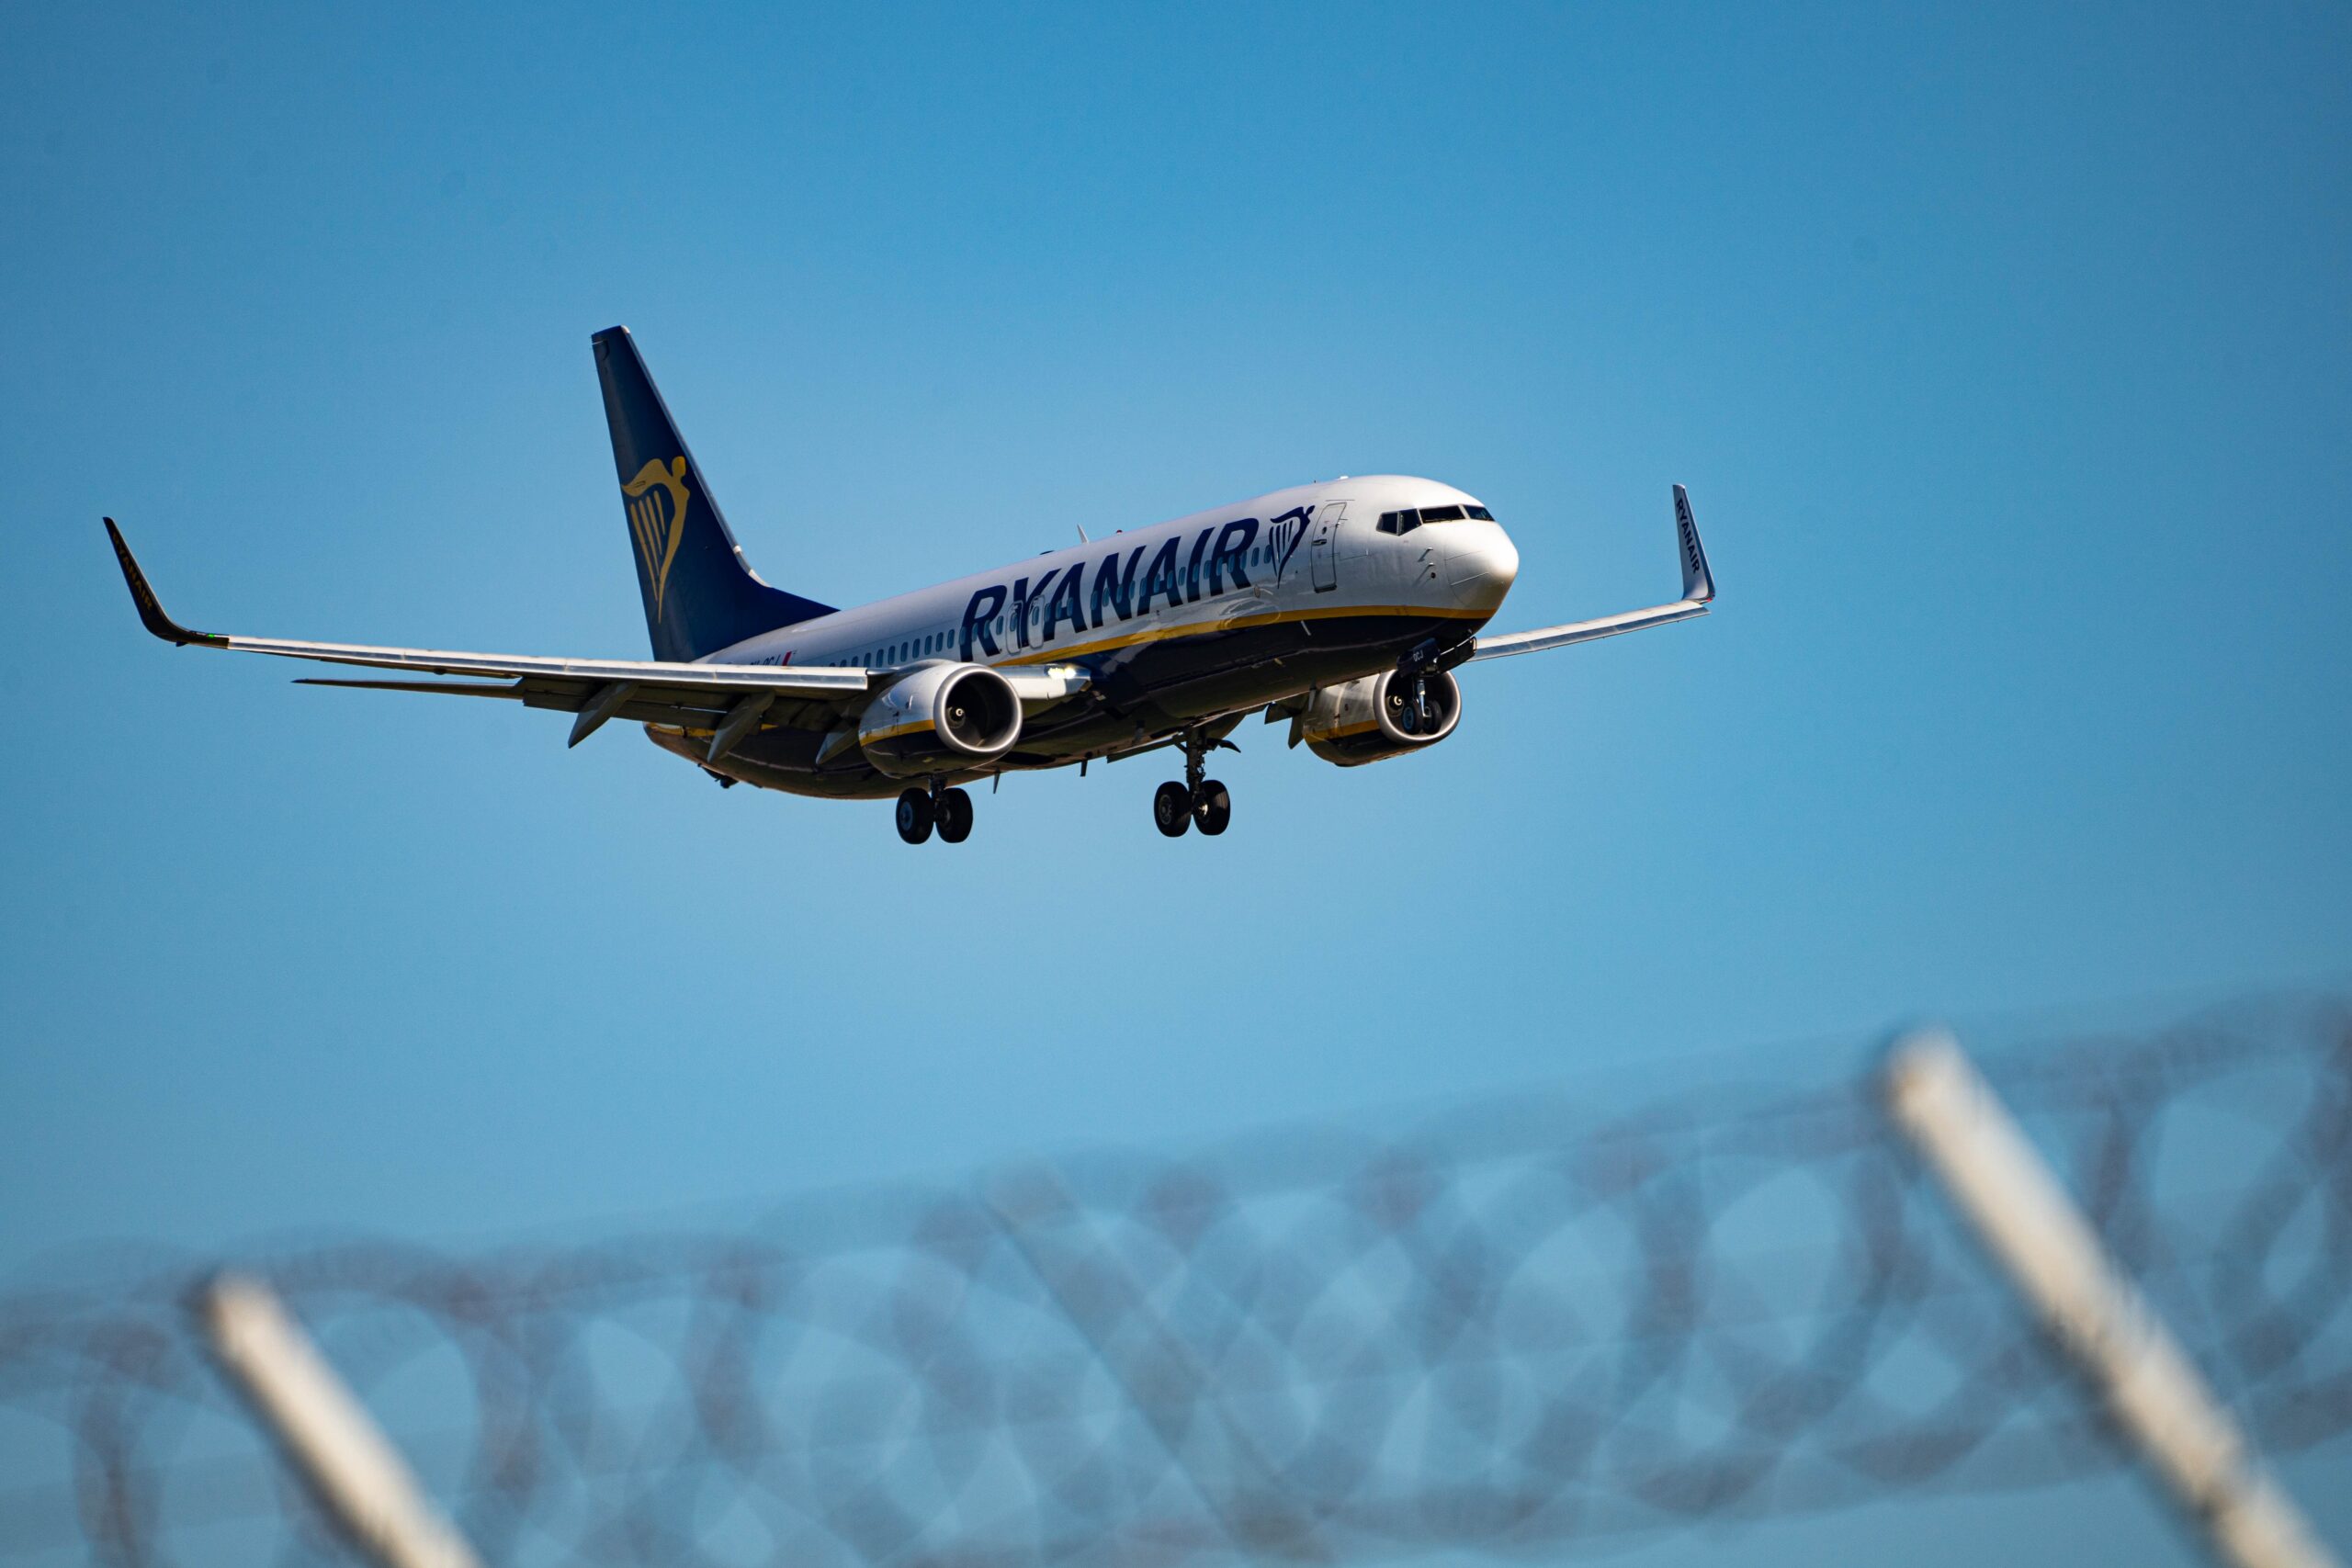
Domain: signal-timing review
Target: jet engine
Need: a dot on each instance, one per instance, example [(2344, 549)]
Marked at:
[(940, 718), (1380, 715)]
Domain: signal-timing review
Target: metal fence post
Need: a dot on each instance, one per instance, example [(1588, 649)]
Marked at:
[(2013, 1202), (344, 1459)]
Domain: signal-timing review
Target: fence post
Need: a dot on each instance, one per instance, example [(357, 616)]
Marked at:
[(344, 1459), (2013, 1202)]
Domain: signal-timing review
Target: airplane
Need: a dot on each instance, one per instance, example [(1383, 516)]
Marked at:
[(1341, 608)]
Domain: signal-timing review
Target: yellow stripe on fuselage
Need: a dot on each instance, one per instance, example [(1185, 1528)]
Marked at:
[(1243, 623)]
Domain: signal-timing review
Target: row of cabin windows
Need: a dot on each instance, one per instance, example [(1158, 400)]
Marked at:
[(899, 653), (1412, 517)]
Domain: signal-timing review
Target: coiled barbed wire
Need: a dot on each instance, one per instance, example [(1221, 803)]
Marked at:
[(1518, 1329)]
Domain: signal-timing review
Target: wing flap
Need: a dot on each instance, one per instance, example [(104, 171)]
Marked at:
[(439, 688), (686, 710), (713, 678)]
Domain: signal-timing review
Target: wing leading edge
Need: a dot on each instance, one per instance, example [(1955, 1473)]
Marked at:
[(649, 691), (1698, 594)]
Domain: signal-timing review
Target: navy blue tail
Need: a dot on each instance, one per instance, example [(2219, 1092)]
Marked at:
[(700, 596)]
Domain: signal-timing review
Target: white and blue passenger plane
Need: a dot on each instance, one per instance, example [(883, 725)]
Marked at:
[(1341, 607)]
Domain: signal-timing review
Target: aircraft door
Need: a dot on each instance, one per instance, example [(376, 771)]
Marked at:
[(1323, 545)]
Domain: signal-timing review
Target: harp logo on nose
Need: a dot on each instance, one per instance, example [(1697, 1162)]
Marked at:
[(656, 499)]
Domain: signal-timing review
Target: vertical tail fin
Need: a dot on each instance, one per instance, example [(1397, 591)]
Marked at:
[(700, 595)]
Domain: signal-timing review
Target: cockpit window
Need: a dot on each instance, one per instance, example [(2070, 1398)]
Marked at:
[(1411, 518)]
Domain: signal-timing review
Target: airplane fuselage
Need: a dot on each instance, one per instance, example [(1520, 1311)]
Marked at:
[(1183, 624)]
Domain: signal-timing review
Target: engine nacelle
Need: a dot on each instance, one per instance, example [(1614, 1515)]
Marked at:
[(940, 718), (1366, 720)]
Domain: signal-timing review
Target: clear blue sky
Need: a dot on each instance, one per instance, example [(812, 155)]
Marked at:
[(2007, 356)]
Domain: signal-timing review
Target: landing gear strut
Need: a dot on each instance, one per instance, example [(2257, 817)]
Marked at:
[(1176, 807), (949, 810), (1409, 707)]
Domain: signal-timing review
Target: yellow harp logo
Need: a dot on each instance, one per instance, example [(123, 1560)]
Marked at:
[(657, 516)]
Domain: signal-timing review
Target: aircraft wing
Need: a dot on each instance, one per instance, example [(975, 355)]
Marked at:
[(1698, 593), (702, 696)]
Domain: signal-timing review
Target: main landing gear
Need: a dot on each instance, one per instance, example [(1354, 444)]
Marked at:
[(1176, 807), (949, 810)]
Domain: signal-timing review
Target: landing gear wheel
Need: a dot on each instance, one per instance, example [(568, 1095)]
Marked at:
[(953, 810), (914, 816), (1404, 712), (1212, 808), (1171, 808)]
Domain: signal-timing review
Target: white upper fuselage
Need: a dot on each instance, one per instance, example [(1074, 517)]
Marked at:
[(1306, 552)]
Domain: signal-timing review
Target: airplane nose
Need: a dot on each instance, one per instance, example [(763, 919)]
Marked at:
[(1485, 563)]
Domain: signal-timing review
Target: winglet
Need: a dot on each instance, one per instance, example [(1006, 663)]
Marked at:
[(151, 609), (1698, 583)]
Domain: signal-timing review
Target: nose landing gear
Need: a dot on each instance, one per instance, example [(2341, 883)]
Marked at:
[(1411, 710), (949, 810), (1176, 806)]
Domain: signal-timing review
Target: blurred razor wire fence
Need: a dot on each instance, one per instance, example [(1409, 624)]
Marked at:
[(1524, 1327)]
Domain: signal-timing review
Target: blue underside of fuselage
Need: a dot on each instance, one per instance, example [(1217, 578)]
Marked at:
[(1138, 696)]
